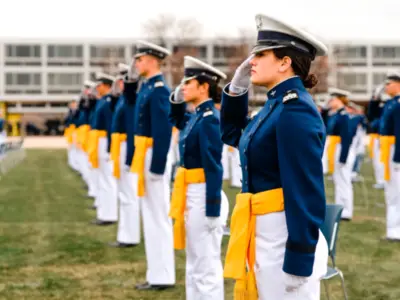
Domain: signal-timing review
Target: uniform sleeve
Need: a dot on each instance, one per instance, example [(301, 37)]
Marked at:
[(178, 115), (300, 140), (396, 121), (161, 129), (234, 116), (99, 120), (116, 121), (211, 152), (346, 137), (130, 89)]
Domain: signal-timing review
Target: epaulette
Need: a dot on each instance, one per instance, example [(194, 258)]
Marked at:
[(290, 96), (159, 84), (208, 113)]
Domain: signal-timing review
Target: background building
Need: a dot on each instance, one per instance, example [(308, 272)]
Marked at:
[(40, 77)]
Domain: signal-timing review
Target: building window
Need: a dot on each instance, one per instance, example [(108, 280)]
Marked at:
[(23, 83), (346, 52), (23, 79), (224, 51), (23, 51), (106, 56), (65, 79), (74, 51), (379, 78), (386, 52), (28, 55), (355, 82)]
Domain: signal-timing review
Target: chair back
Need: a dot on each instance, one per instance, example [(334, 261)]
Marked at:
[(330, 228)]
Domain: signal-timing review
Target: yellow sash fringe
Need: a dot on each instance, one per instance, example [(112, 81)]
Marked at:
[(115, 152), (178, 201), (386, 142), (333, 141), (142, 143), (242, 244)]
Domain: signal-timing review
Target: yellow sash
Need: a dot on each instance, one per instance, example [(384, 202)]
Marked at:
[(142, 143), (178, 201), (85, 129), (242, 243), (115, 152), (69, 133), (94, 146), (231, 149), (372, 139), (333, 141), (386, 142)]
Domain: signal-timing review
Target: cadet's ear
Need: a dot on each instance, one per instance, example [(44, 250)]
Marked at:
[(286, 63)]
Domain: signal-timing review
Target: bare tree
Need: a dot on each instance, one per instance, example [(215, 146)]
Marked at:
[(160, 28), (320, 68), (183, 32)]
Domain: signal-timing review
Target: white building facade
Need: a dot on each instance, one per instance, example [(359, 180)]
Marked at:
[(42, 76)]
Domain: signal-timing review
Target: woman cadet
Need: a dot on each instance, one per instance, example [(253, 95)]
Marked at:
[(341, 150), (199, 206), (275, 225)]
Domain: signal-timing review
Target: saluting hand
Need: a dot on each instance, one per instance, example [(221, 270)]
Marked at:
[(176, 96), (241, 80)]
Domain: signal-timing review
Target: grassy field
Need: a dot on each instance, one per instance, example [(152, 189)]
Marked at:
[(49, 251)]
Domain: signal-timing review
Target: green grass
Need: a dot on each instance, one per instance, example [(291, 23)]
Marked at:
[(48, 250)]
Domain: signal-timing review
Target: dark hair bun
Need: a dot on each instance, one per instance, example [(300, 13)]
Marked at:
[(310, 81)]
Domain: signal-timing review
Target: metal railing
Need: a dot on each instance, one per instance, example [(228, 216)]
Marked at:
[(11, 154)]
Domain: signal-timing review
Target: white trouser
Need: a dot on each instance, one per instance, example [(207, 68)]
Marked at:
[(84, 165), (225, 162), (129, 214), (75, 158), (271, 237), (392, 195), (129, 210), (69, 156), (93, 183), (325, 163), (157, 226), (204, 272), (236, 171), (107, 204), (342, 179), (377, 164)]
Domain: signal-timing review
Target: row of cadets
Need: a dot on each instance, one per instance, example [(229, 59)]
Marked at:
[(106, 193), (231, 166), (325, 112), (122, 149), (275, 225), (390, 155), (152, 131), (69, 131), (359, 125), (3, 128), (375, 108), (86, 105), (199, 206), (341, 150)]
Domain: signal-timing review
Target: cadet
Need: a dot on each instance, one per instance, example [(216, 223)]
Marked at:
[(107, 206), (197, 192), (375, 107), (89, 143), (69, 132), (390, 155), (83, 130), (341, 150), (3, 129), (152, 144), (277, 218), (122, 148)]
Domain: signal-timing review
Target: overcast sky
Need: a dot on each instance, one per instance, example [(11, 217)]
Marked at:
[(331, 19)]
